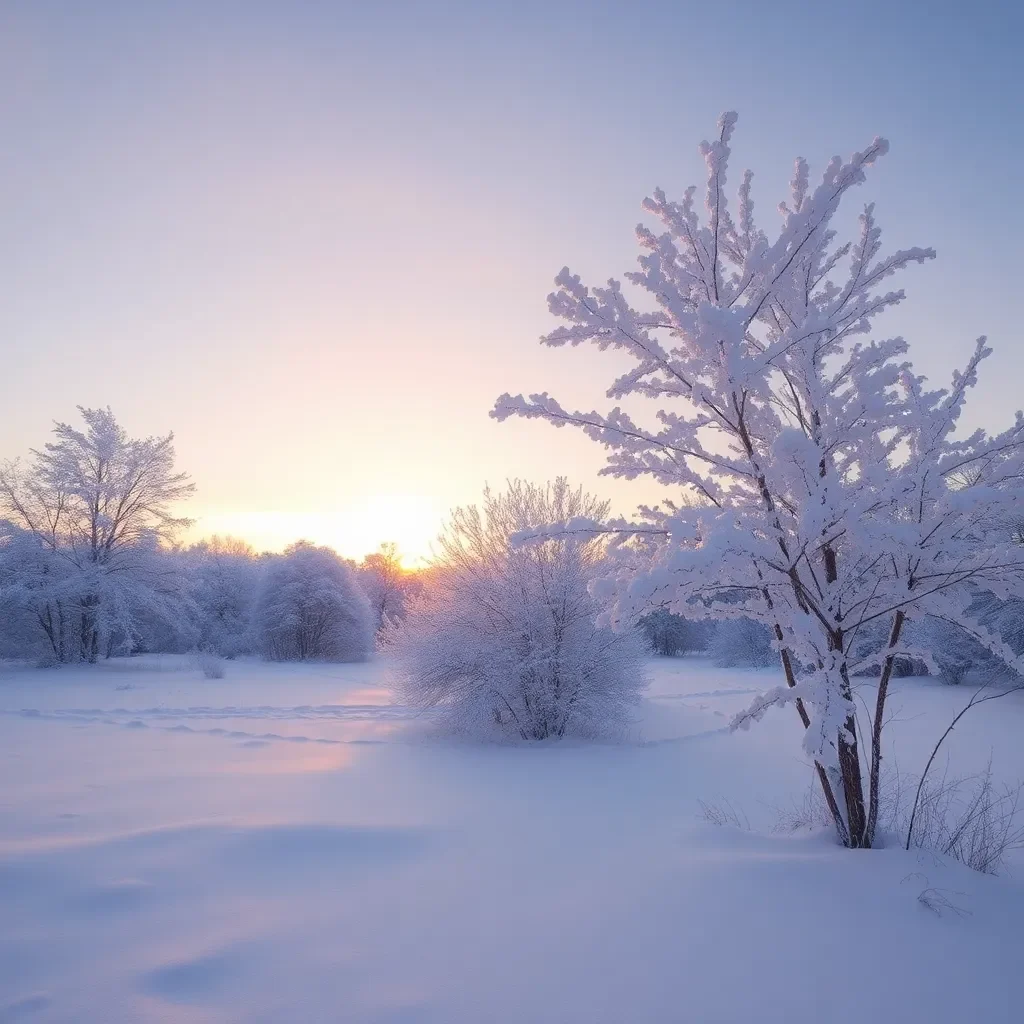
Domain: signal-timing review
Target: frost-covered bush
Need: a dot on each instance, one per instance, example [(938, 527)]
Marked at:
[(503, 642), (970, 818), (211, 665), (224, 580), (743, 642), (310, 608)]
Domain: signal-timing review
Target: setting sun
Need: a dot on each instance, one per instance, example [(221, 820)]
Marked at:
[(410, 521)]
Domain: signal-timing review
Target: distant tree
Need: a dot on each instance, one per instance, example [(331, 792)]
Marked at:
[(310, 607), (34, 587), (224, 576), (95, 507), (868, 651), (504, 639), (670, 635), (955, 652), (387, 585), (742, 642)]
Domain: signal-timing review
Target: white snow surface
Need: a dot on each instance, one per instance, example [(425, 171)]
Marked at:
[(288, 845)]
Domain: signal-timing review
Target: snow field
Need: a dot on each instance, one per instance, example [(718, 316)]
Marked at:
[(286, 844)]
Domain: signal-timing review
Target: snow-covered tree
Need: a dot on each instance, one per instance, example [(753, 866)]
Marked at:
[(504, 639), (224, 576), (743, 642), (837, 492), (34, 587), (667, 634), (310, 608), (95, 506), (387, 585), (670, 635)]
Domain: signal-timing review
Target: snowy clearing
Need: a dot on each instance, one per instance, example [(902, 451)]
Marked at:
[(286, 844)]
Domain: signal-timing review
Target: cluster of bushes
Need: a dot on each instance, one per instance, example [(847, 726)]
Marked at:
[(217, 597), (90, 566), (730, 643)]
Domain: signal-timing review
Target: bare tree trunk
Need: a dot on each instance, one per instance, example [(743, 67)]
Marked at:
[(62, 628), (83, 635), (826, 785), (46, 621), (89, 645), (805, 718), (846, 741), (849, 766), (876, 727)]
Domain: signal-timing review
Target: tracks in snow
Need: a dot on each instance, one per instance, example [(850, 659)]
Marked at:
[(169, 719)]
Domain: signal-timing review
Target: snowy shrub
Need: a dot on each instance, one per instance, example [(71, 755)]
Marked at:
[(211, 664), (723, 815), (310, 608), (837, 490), (743, 642), (970, 819), (941, 902), (810, 811), (503, 640)]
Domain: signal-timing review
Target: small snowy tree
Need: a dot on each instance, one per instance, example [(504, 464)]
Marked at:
[(310, 608), (35, 586), (742, 642), (97, 505), (504, 640), (387, 585), (224, 576), (671, 635), (837, 492), (668, 634)]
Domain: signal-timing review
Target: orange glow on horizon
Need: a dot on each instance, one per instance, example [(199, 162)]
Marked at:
[(357, 529)]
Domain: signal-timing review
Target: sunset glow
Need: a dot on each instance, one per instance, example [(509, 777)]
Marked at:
[(328, 315), (355, 530)]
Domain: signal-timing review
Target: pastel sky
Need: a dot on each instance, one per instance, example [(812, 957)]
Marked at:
[(315, 239)]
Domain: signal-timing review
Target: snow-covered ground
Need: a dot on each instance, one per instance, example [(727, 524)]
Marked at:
[(287, 845)]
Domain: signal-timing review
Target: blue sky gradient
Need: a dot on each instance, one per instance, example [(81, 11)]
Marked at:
[(315, 239)]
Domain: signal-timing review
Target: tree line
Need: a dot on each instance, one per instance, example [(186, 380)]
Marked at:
[(91, 565)]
